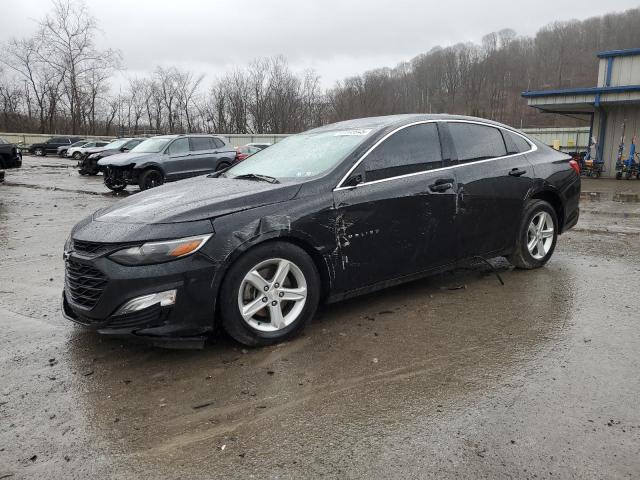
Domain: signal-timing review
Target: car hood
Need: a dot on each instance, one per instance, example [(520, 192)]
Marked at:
[(109, 151), (120, 159), (196, 199)]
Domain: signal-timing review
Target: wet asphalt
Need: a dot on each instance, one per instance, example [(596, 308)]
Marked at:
[(454, 376)]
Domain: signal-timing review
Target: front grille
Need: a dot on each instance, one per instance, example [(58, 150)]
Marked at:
[(84, 283), (93, 249)]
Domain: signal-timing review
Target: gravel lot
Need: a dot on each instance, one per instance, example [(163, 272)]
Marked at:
[(454, 376)]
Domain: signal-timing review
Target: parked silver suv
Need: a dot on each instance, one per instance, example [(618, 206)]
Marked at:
[(167, 158)]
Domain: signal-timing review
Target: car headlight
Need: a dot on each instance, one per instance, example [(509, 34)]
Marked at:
[(160, 252)]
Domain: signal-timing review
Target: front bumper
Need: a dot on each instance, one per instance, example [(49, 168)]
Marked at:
[(187, 321), (14, 161)]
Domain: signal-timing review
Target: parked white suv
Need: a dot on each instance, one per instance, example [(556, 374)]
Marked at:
[(78, 152)]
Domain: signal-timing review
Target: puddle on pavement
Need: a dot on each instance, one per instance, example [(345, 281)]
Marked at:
[(621, 197)]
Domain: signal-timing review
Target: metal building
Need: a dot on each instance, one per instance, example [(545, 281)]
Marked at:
[(613, 105)]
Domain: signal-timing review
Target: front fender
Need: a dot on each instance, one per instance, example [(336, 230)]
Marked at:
[(144, 165)]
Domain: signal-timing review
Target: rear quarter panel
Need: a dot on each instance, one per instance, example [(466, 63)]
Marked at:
[(554, 174)]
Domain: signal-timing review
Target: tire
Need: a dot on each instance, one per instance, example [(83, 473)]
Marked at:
[(222, 166), (259, 329), (115, 185), (525, 258), (77, 155), (618, 175), (150, 178), (39, 152)]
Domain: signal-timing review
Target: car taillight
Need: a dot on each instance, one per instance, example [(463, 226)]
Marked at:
[(575, 165), (241, 156)]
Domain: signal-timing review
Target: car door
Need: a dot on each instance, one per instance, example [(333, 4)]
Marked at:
[(55, 142), (395, 211), (176, 163), (203, 156), (493, 182)]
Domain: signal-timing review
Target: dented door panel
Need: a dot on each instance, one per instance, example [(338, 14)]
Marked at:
[(393, 228)]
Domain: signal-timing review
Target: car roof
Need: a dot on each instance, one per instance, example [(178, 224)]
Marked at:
[(379, 123)]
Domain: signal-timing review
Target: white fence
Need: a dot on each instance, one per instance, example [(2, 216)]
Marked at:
[(25, 139), (567, 138)]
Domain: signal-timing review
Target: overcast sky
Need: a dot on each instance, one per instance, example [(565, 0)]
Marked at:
[(337, 38)]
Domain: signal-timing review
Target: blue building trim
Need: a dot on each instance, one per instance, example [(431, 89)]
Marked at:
[(619, 53), (602, 137), (609, 71), (580, 91)]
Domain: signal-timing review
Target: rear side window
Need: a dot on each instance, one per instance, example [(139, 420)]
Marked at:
[(412, 149), (218, 143), (181, 145), (515, 143), (475, 142), (201, 143)]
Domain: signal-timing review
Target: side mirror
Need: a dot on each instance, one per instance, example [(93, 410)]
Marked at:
[(353, 180), (124, 149)]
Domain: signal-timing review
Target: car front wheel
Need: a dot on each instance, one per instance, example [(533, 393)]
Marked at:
[(537, 236), (39, 152), (269, 294), (150, 178)]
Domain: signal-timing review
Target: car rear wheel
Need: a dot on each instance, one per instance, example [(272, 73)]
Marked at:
[(269, 294), (77, 155), (537, 236), (150, 178), (39, 152), (222, 166)]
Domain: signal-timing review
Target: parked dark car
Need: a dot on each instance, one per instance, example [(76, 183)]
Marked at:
[(88, 164), (332, 213), (10, 155), (62, 150), (165, 159), (51, 145)]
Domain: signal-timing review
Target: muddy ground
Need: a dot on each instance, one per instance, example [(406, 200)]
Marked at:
[(455, 376)]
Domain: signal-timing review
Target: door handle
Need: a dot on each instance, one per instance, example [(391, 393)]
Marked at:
[(441, 185), (516, 172)]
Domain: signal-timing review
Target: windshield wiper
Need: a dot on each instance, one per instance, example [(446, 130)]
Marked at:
[(257, 176)]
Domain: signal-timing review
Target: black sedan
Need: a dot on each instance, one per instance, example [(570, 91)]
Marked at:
[(10, 155), (332, 213)]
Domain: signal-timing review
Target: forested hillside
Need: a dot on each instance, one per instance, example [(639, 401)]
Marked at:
[(59, 81)]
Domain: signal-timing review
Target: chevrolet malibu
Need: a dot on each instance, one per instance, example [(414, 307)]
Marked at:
[(321, 216)]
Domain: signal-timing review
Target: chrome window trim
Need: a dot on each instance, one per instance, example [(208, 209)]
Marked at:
[(339, 187)]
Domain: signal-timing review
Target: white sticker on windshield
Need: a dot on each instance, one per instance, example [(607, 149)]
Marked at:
[(347, 133)]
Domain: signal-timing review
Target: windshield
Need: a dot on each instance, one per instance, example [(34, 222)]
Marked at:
[(303, 155), (80, 144), (115, 144), (151, 145)]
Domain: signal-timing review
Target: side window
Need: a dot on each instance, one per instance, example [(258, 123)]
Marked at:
[(515, 143), (201, 143), (56, 140), (410, 150), (218, 143), (133, 143), (181, 145), (475, 142)]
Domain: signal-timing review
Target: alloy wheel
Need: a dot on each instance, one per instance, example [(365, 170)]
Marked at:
[(272, 295), (540, 235)]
